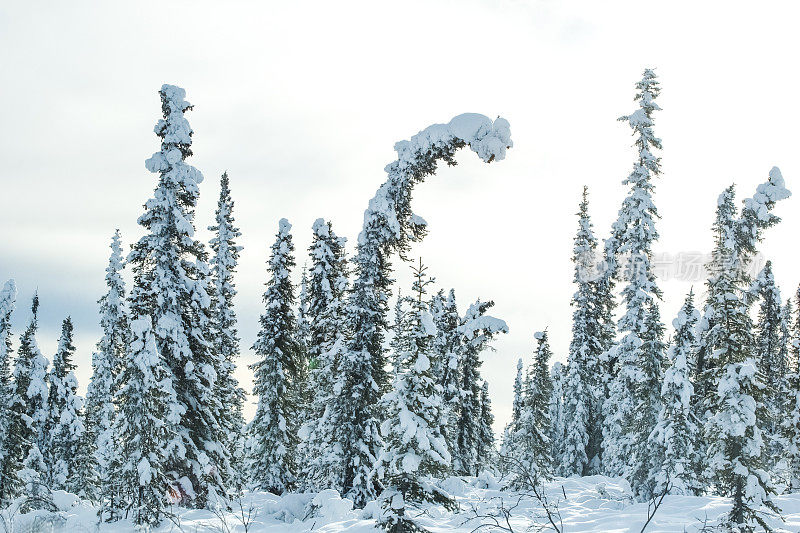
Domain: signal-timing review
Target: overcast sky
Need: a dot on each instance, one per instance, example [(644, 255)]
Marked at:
[(302, 102)]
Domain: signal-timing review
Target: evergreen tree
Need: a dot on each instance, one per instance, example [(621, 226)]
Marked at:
[(487, 453), (107, 364), (640, 354), (476, 330), (389, 227), (274, 438), (171, 287), (509, 445), (532, 437), (147, 427), (791, 423), (771, 358), (223, 331), (327, 288), (64, 427), (448, 359), (415, 448), (584, 391), (28, 417), (736, 454), (675, 434), (8, 297), (557, 430)]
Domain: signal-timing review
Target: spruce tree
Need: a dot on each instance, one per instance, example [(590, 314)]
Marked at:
[(634, 396), (675, 435), (771, 357), (327, 288), (107, 363), (389, 227), (532, 439), (274, 437), (557, 430), (508, 447), (147, 426), (28, 417), (8, 297), (415, 449), (733, 432), (223, 331), (448, 359), (64, 427), (584, 392), (791, 423), (487, 453), (171, 286), (476, 330)]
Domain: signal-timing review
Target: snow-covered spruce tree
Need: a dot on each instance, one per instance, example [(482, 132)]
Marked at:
[(675, 434), (584, 392), (64, 427), (147, 427), (771, 358), (476, 330), (487, 452), (171, 287), (28, 417), (532, 439), (223, 333), (327, 288), (508, 446), (448, 359), (273, 432), (107, 363), (635, 393), (557, 430), (790, 427), (8, 297), (389, 227), (414, 446), (733, 432)]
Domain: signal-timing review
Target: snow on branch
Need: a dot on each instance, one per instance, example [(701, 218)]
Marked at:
[(389, 215)]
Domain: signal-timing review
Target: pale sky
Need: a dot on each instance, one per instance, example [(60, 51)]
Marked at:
[(302, 102)]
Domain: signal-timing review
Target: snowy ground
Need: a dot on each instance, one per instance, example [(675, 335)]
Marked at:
[(596, 504)]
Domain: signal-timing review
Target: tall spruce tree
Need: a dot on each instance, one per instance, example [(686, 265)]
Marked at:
[(8, 297), (508, 447), (274, 435), (733, 432), (487, 452), (791, 423), (634, 395), (223, 331), (532, 439), (107, 363), (148, 427), (28, 413), (389, 227), (415, 448), (171, 286), (476, 329), (327, 289), (448, 358), (771, 358), (64, 427), (676, 433), (584, 392), (557, 430)]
